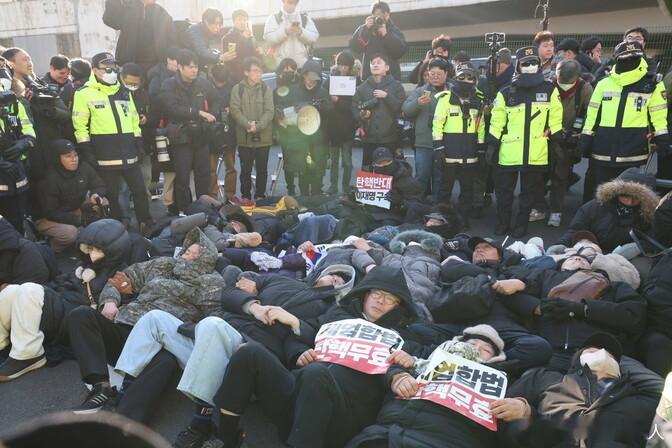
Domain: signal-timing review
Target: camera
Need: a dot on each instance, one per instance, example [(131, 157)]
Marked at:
[(378, 21), (47, 103), (495, 38), (369, 104), (8, 103), (216, 132)]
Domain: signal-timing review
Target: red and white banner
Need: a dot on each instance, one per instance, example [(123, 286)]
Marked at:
[(357, 344), (464, 386), (372, 189)]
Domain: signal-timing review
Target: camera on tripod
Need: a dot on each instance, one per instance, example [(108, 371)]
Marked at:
[(495, 38)]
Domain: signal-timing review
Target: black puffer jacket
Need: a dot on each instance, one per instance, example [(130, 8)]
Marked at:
[(382, 127), (299, 298), (21, 261), (658, 294), (393, 45), (620, 311), (63, 192), (573, 414), (600, 215)]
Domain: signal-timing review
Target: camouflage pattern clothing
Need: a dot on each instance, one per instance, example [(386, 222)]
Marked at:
[(189, 290)]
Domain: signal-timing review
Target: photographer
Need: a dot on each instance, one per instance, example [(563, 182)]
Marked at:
[(378, 35), (188, 103), (17, 137), (59, 72), (377, 105), (71, 195), (290, 33), (252, 111), (206, 36), (240, 41), (440, 49)]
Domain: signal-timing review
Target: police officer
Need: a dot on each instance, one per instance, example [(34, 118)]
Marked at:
[(107, 128), (625, 107), (457, 131), (525, 115), (17, 137)]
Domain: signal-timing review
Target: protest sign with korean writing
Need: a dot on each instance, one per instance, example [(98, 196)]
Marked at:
[(372, 189), (463, 386), (357, 344)]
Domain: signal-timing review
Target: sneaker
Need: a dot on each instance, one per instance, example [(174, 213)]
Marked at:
[(190, 438), (12, 368), (554, 220), (96, 399), (536, 215)]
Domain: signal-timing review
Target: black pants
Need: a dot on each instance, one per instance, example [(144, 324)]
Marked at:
[(185, 159), (531, 192), (257, 158), (13, 209), (95, 341), (465, 175), (559, 172), (136, 183), (140, 400), (598, 174), (655, 350), (368, 148)]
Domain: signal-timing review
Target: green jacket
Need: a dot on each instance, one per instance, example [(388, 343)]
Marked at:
[(252, 104)]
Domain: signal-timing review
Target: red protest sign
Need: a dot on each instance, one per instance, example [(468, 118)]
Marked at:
[(357, 344), (463, 386)]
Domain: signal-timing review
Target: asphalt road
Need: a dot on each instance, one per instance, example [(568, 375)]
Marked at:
[(59, 388)]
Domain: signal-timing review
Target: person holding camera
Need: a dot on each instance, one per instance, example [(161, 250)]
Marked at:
[(71, 195), (290, 34), (378, 35), (377, 106), (188, 103), (252, 112), (240, 42), (205, 38), (440, 50), (107, 128)]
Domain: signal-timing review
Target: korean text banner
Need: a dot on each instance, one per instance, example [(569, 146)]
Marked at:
[(357, 344), (372, 189), (464, 386)]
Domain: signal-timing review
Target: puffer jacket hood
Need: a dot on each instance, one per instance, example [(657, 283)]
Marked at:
[(204, 263), (108, 235), (609, 191), (342, 269), (430, 243), (389, 280)]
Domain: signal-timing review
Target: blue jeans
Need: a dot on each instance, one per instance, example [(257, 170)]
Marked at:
[(204, 359), (424, 161)]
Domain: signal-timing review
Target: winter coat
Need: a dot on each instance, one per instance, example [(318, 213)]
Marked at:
[(419, 263), (620, 311), (245, 47), (295, 47), (658, 294), (662, 222), (571, 406), (67, 291), (393, 45), (252, 103), (340, 124), (145, 32), (405, 196), (156, 76), (382, 127), (573, 107), (422, 115), (63, 192), (600, 217), (189, 290), (302, 299), (21, 260), (203, 44)]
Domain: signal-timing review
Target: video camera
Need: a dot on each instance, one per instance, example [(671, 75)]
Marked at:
[(46, 102), (495, 38)]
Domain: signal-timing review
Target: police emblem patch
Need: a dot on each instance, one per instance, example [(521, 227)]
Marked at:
[(542, 97)]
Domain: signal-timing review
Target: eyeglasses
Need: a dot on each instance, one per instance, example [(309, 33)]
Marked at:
[(386, 298), (436, 74)]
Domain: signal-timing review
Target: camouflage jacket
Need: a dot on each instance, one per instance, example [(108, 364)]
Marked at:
[(189, 290)]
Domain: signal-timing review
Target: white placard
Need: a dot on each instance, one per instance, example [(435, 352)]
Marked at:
[(342, 85)]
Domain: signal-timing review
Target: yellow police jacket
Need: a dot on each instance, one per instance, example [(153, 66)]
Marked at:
[(459, 132), (522, 119), (106, 117), (624, 108), (23, 128)]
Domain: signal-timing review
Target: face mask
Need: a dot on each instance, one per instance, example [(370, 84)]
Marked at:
[(110, 78), (601, 362), (566, 87), (530, 69), (463, 88), (389, 169), (132, 88), (627, 64), (624, 211), (96, 254)]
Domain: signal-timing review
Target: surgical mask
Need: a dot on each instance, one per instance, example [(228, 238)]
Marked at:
[(566, 87), (110, 78), (96, 254), (530, 69), (132, 88), (601, 362)]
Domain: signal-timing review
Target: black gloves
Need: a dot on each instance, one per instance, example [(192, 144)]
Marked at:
[(17, 149), (662, 143), (437, 145), (10, 169), (585, 144), (560, 309)]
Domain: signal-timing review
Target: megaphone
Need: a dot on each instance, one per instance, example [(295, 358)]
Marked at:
[(308, 120)]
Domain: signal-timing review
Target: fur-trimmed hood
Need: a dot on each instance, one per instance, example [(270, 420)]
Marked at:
[(609, 191), (430, 243)]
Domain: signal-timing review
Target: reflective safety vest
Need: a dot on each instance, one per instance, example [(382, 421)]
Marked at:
[(106, 117), (22, 127), (460, 126), (520, 119), (624, 108)]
